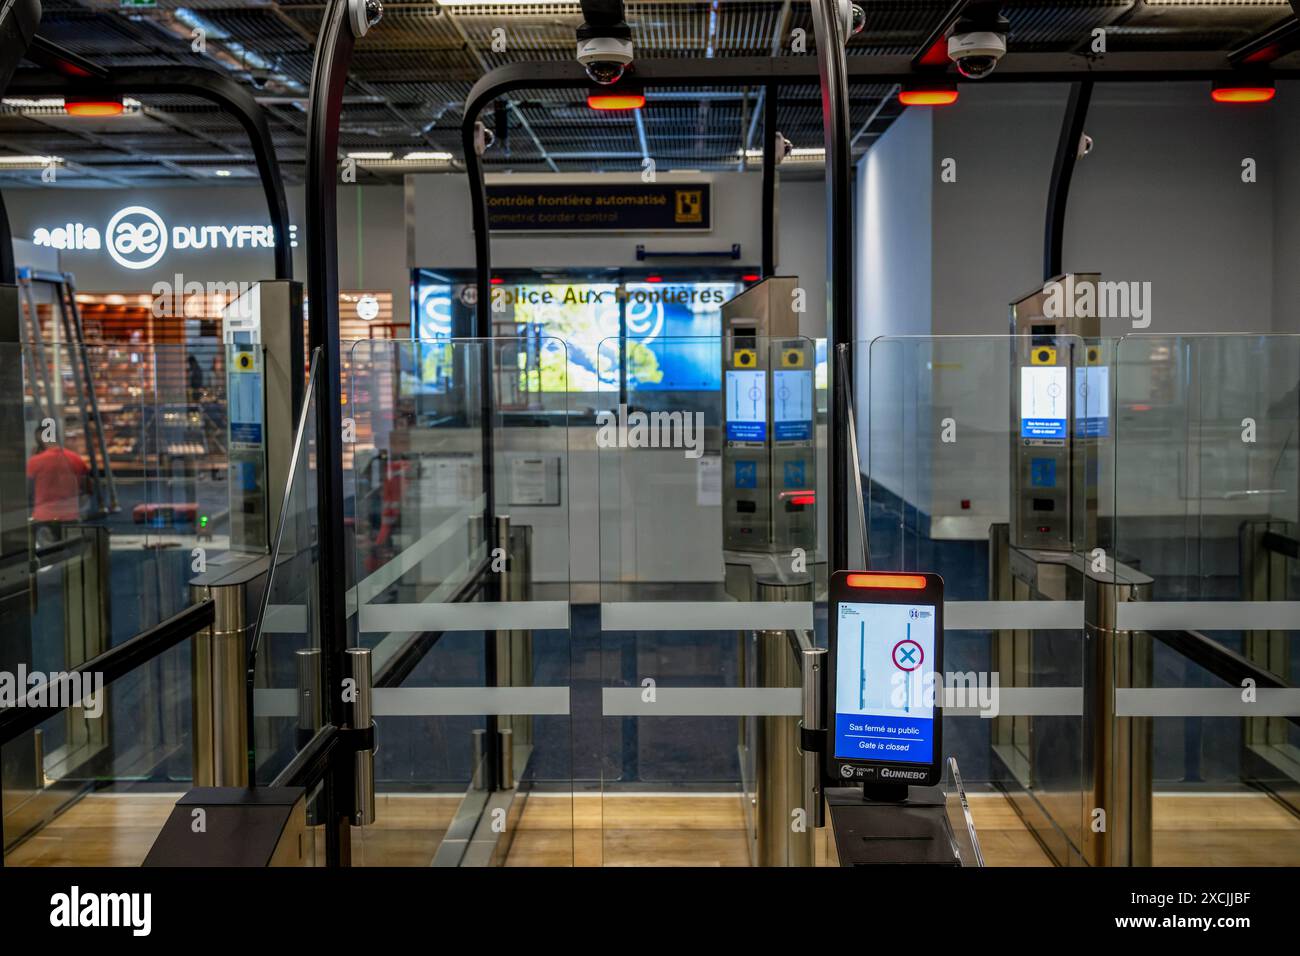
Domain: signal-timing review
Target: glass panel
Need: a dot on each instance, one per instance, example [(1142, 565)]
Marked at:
[(977, 467), (461, 457), (1206, 505), (104, 502), (712, 441), (93, 785), (287, 705)]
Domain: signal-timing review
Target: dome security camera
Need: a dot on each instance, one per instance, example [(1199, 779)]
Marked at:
[(605, 58), (604, 41), (978, 41), (852, 18)]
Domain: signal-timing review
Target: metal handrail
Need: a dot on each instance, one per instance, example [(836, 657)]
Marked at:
[(854, 463), (112, 664), (299, 437)]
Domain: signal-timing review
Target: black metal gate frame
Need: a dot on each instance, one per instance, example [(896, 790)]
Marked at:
[(773, 72), (203, 84), (329, 78)]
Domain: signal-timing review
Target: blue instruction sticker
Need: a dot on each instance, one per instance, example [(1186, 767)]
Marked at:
[(1042, 472)]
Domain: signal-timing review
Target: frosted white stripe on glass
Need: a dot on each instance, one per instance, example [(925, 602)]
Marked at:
[(434, 701), (1012, 615), (703, 702), (1020, 702), (498, 615), (705, 615), (1205, 702), (1208, 616)]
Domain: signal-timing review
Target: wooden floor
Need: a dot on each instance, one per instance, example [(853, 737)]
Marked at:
[(1242, 829)]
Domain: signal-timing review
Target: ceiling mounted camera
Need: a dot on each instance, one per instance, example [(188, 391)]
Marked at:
[(604, 41), (978, 40), (852, 18)]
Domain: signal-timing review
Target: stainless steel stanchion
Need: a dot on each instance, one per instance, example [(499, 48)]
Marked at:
[(1121, 765), (507, 776), (309, 702), (363, 811), (478, 751), (218, 672), (783, 831), (814, 696)]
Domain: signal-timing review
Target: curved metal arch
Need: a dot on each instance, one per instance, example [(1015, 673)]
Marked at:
[(204, 84), (18, 23)]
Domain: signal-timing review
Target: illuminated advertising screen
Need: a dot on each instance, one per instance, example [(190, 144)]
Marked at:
[(584, 317)]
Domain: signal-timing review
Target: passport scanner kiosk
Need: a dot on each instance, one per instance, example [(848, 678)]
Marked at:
[(883, 743), (1061, 418), (769, 449), (260, 363)]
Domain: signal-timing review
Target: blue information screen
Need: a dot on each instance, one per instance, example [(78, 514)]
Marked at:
[(746, 405), (885, 683), (1044, 401)]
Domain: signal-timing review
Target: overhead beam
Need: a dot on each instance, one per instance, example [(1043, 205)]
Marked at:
[(50, 55), (936, 35), (204, 84), (1276, 42)]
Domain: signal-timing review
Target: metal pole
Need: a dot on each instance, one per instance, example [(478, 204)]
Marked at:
[(814, 722), (832, 72), (309, 702), (217, 668), (1058, 192), (782, 817), (770, 101), (362, 720), (328, 80), (1121, 768)]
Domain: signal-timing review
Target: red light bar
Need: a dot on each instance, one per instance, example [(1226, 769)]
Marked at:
[(751, 277), (79, 106), (930, 96), (653, 279), (807, 499), (909, 582), (616, 101), (937, 55), (1243, 91), (496, 280), (1242, 94)]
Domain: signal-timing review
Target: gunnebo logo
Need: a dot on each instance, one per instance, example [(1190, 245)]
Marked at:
[(56, 689), (655, 430), (1099, 300), (75, 908)]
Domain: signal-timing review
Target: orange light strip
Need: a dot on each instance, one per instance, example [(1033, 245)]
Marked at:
[(1242, 94), (93, 107), (615, 101), (908, 582), (931, 97)]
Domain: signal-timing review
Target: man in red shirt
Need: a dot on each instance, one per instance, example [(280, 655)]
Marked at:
[(57, 477)]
